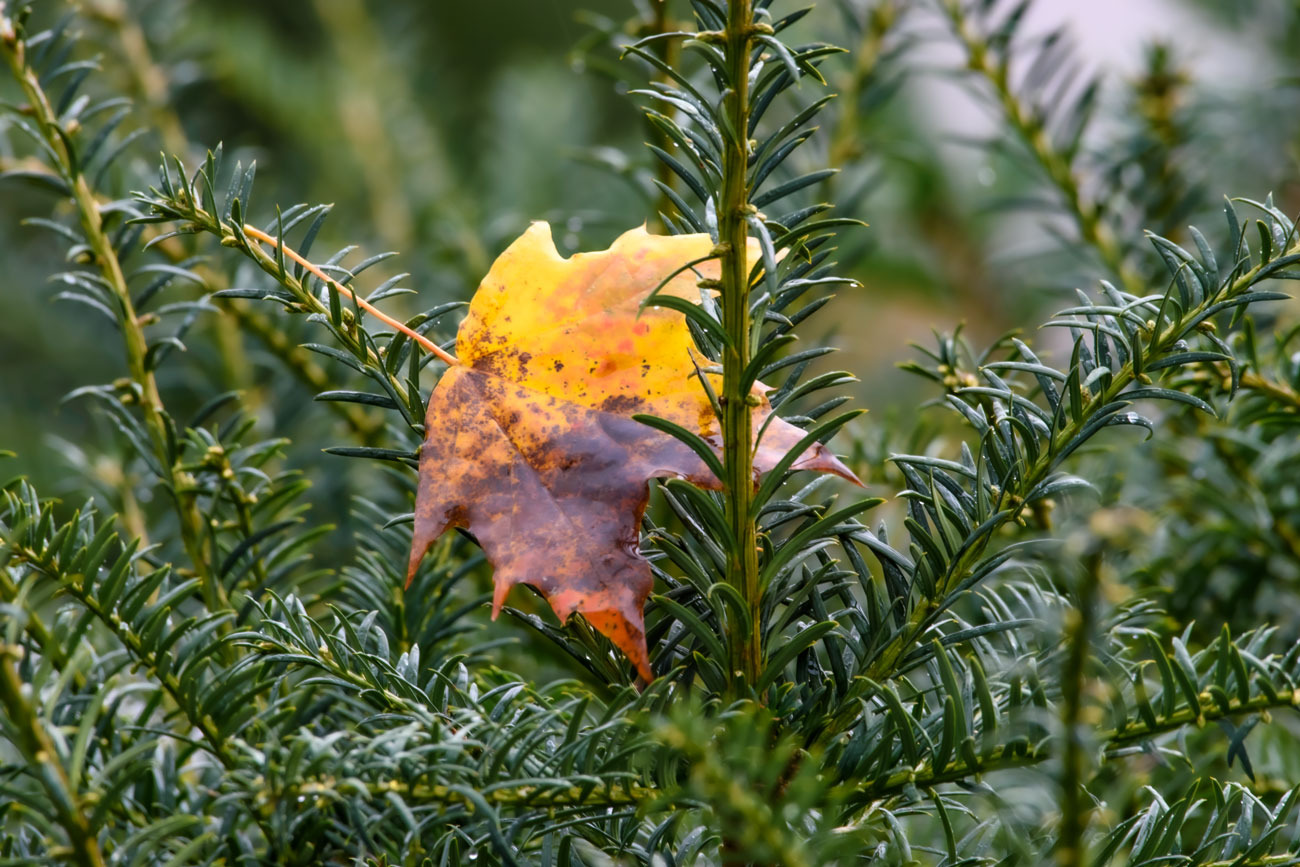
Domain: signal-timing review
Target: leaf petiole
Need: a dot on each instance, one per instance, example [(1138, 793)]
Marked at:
[(429, 346)]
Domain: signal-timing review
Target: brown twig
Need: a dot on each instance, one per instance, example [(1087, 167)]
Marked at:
[(429, 345), (1278, 391)]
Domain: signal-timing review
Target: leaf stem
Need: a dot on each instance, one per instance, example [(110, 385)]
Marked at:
[(429, 345), (248, 240)]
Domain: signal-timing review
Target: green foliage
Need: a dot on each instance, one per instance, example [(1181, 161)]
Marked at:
[(1055, 642)]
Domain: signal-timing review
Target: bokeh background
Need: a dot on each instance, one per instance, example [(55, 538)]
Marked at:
[(439, 129)]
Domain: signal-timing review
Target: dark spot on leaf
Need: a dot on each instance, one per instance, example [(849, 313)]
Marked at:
[(623, 404)]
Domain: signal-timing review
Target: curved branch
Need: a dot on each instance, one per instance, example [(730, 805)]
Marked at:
[(1006, 756)]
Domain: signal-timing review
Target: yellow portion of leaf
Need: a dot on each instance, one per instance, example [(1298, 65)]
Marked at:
[(570, 326)]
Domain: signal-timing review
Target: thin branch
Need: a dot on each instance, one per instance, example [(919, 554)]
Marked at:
[(1004, 758), (1080, 625), (296, 360), (216, 745), (35, 627), (183, 206), (1057, 166), (34, 742), (1278, 391), (521, 796), (431, 347), (846, 135)]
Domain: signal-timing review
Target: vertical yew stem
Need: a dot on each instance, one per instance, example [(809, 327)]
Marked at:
[(1074, 806), (33, 741), (737, 425), (193, 527)]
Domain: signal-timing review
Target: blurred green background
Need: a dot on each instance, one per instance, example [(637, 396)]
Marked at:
[(439, 129)]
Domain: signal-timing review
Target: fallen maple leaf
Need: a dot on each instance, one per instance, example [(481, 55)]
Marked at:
[(530, 442)]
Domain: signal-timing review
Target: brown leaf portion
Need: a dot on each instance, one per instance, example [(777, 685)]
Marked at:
[(530, 444), (553, 491)]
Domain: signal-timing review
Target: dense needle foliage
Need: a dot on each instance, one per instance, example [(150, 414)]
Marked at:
[(1060, 626)]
